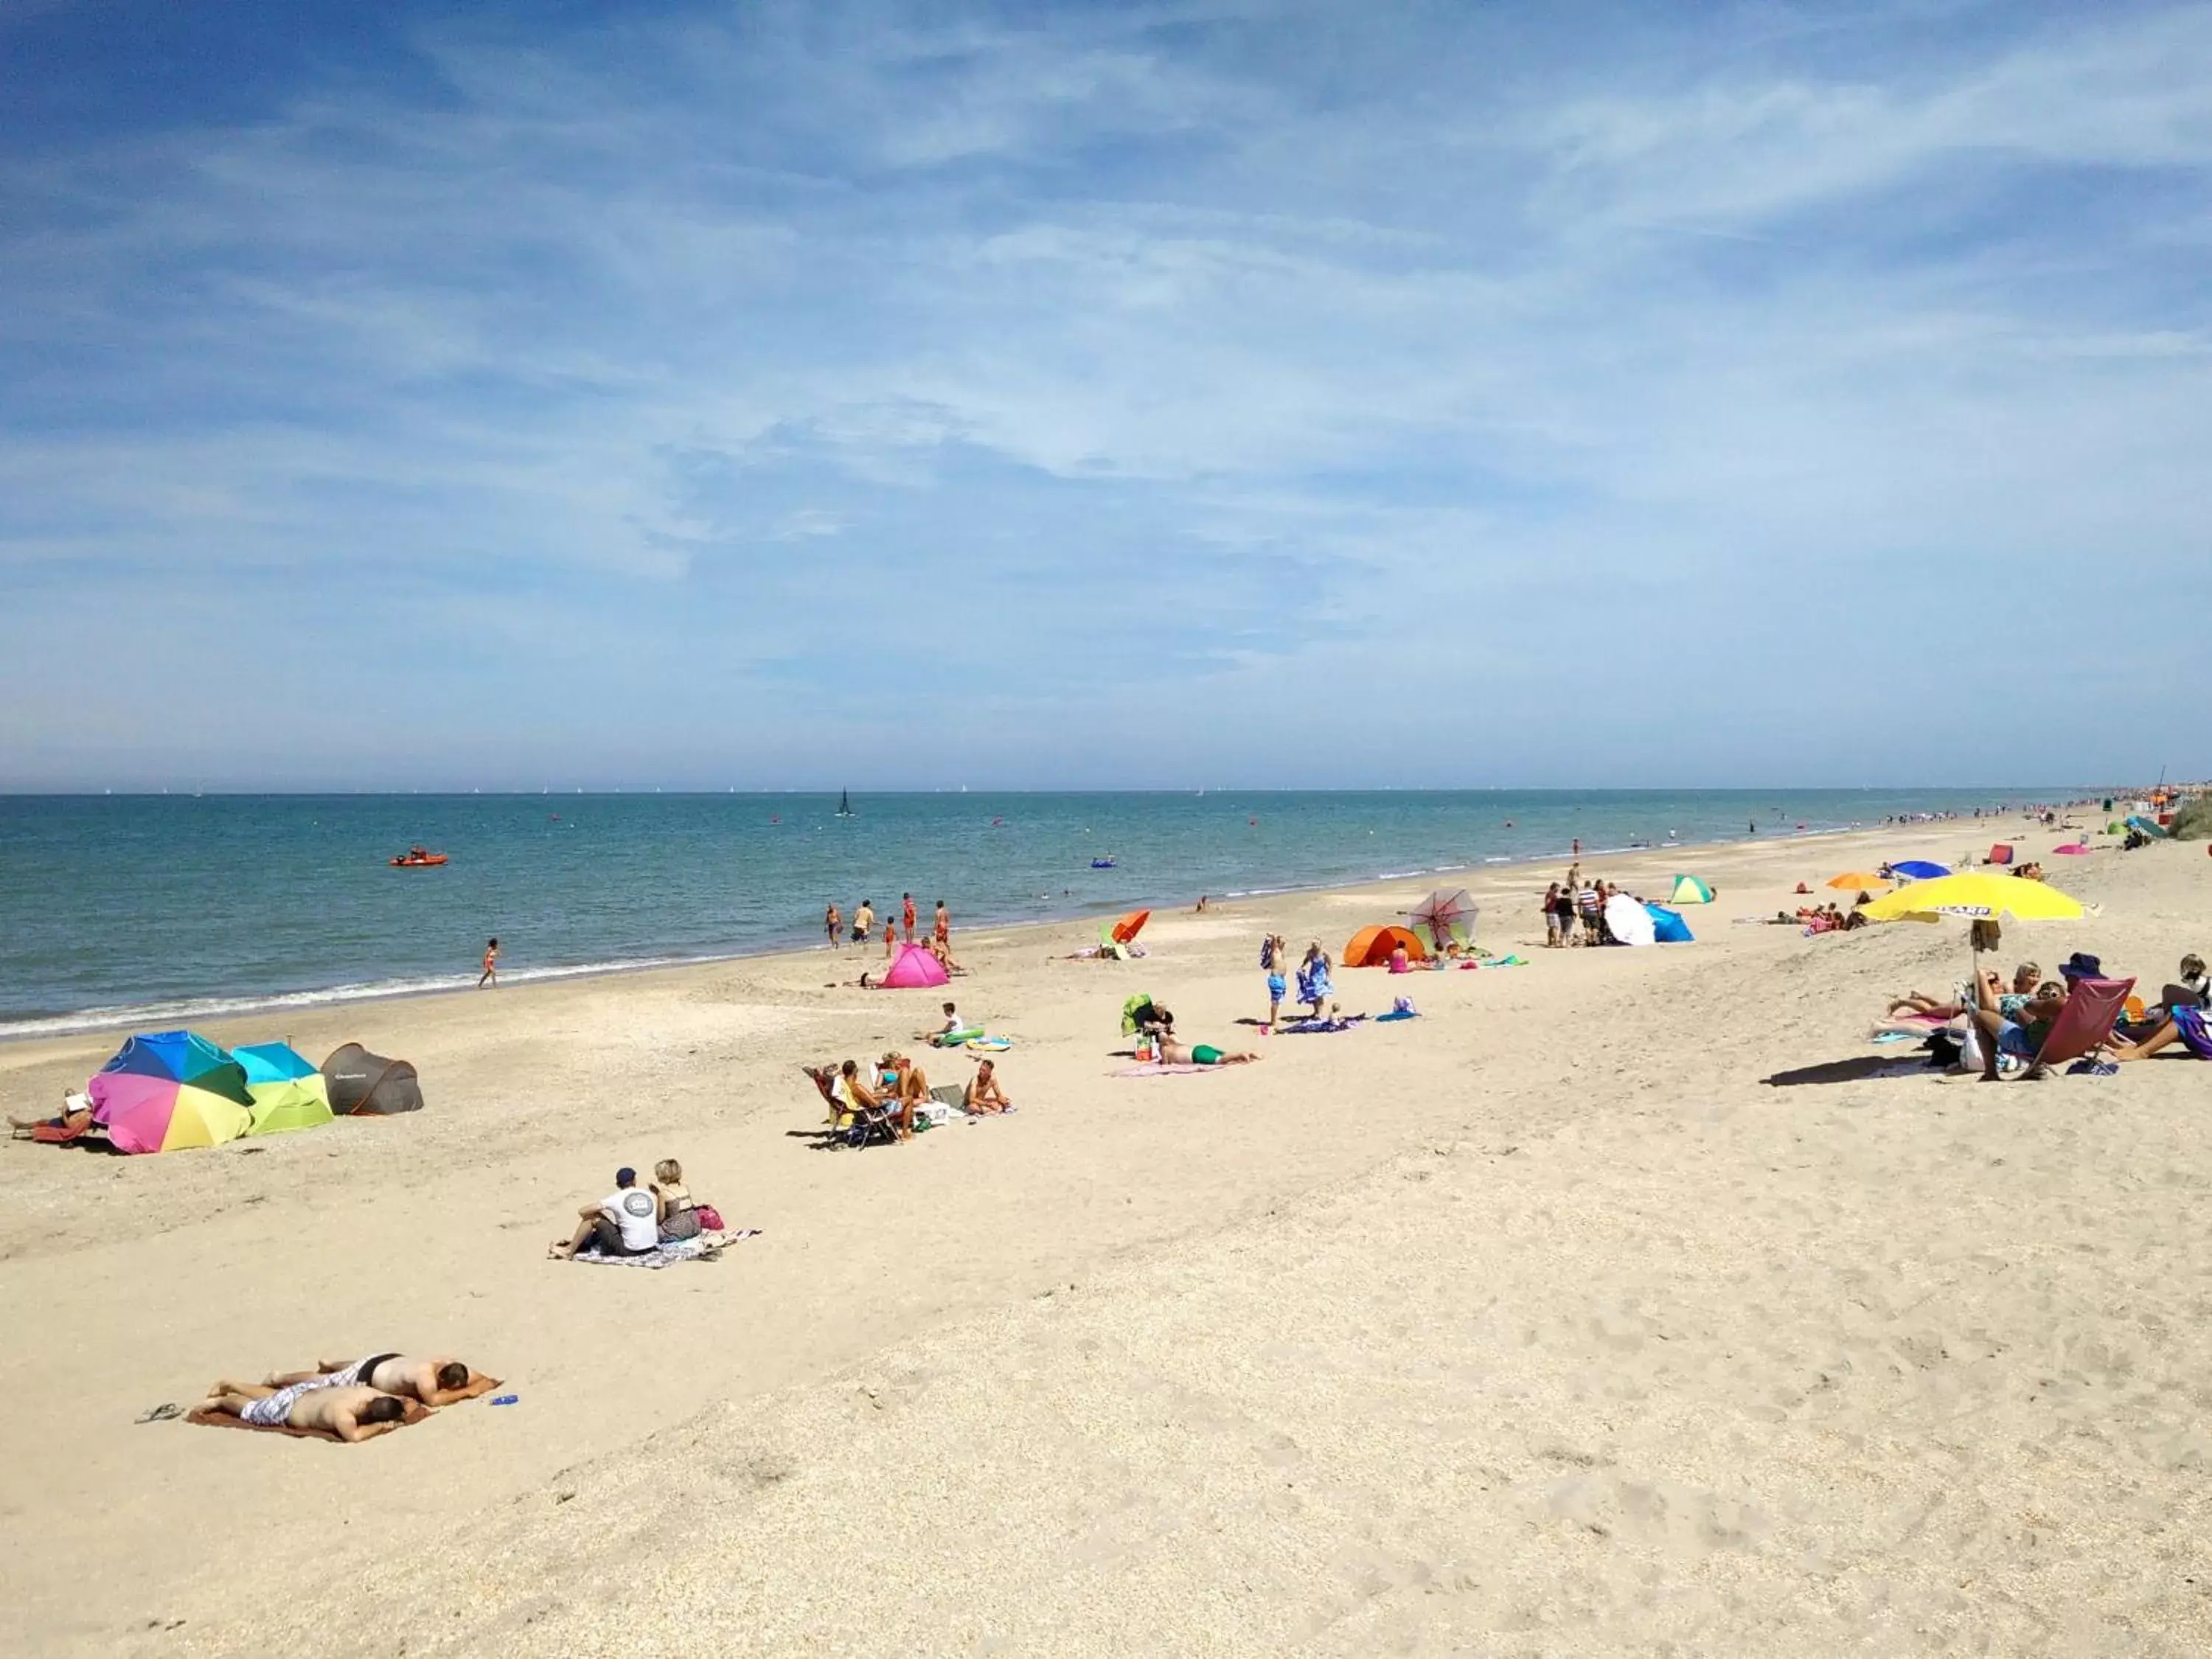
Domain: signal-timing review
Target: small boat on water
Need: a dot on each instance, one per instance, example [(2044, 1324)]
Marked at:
[(1102, 864), (844, 803), (418, 858)]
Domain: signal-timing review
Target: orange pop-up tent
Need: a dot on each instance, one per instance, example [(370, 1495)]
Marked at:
[(1371, 947)]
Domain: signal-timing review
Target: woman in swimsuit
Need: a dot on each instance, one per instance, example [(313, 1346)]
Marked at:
[(831, 923), (679, 1215)]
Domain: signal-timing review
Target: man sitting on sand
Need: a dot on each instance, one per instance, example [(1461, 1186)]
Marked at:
[(626, 1222), (437, 1381), (353, 1412), (1172, 1053), (984, 1094)]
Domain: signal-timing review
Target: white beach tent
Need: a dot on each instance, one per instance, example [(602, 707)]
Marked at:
[(1628, 921)]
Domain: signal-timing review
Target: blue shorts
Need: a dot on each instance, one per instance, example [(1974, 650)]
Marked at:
[(2013, 1039), (1276, 987)]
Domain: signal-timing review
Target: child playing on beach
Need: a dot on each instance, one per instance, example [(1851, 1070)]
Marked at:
[(490, 975), (944, 929), (1271, 960), (906, 914), (832, 923)]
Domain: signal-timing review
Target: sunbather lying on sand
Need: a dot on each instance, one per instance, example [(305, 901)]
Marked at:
[(75, 1118), (2025, 979), (1172, 1053), (437, 1381), (352, 1412)]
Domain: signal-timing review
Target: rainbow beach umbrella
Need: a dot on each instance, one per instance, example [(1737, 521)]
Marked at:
[(169, 1090)]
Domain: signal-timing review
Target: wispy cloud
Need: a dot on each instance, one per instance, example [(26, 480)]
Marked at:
[(1253, 367)]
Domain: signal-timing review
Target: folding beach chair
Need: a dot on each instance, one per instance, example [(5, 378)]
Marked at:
[(2086, 1022), (854, 1126)]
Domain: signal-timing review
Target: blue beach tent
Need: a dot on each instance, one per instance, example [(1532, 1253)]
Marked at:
[(1668, 926)]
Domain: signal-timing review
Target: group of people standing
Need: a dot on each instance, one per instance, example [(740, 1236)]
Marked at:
[(1574, 910), (864, 924)]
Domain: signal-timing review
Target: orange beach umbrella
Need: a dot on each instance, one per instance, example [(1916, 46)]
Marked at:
[(1857, 879), (1130, 925)]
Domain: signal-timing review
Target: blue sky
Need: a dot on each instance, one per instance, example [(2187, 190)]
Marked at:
[(1128, 394)]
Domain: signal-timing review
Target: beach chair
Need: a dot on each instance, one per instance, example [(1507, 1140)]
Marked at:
[(854, 1126), (2084, 1024)]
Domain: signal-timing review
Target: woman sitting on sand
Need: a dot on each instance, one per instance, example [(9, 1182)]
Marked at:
[(679, 1215), (1172, 1053)]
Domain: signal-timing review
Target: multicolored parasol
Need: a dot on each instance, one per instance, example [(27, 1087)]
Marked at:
[(168, 1090), (1446, 915)]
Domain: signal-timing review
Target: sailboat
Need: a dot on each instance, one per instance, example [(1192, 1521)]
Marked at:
[(844, 803)]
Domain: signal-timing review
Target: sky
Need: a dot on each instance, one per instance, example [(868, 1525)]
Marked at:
[(1138, 395)]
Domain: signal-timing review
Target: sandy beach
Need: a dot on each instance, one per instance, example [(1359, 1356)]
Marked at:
[(1543, 1323)]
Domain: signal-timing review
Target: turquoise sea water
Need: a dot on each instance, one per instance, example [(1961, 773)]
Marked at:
[(162, 908)]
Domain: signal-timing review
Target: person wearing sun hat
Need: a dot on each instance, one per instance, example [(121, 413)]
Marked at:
[(2081, 965)]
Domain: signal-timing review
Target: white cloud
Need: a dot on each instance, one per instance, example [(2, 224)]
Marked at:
[(1214, 343)]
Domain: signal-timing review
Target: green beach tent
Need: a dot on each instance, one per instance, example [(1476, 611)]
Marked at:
[(1688, 890), (287, 1091)]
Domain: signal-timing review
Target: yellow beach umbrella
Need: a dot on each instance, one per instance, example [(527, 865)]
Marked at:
[(1976, 896), (1861, 879)]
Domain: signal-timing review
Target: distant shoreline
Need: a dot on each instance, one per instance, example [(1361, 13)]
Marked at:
[(182, 1011)]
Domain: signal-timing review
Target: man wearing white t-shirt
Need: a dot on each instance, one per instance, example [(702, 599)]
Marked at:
[(626, 1222)]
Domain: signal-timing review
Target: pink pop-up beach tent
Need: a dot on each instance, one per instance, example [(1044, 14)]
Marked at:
[(916, 970)]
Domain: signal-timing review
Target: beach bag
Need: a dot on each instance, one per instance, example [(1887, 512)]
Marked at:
[(710, 1218)]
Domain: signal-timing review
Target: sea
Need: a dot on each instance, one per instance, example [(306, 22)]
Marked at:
[(153, 910)]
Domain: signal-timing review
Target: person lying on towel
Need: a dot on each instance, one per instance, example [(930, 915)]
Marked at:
[(1172, 1053), (440, 1379), (351, 1412), (74, 1119)]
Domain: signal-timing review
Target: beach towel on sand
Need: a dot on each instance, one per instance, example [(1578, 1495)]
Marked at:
[(707, 1246), (1167, 1071)]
